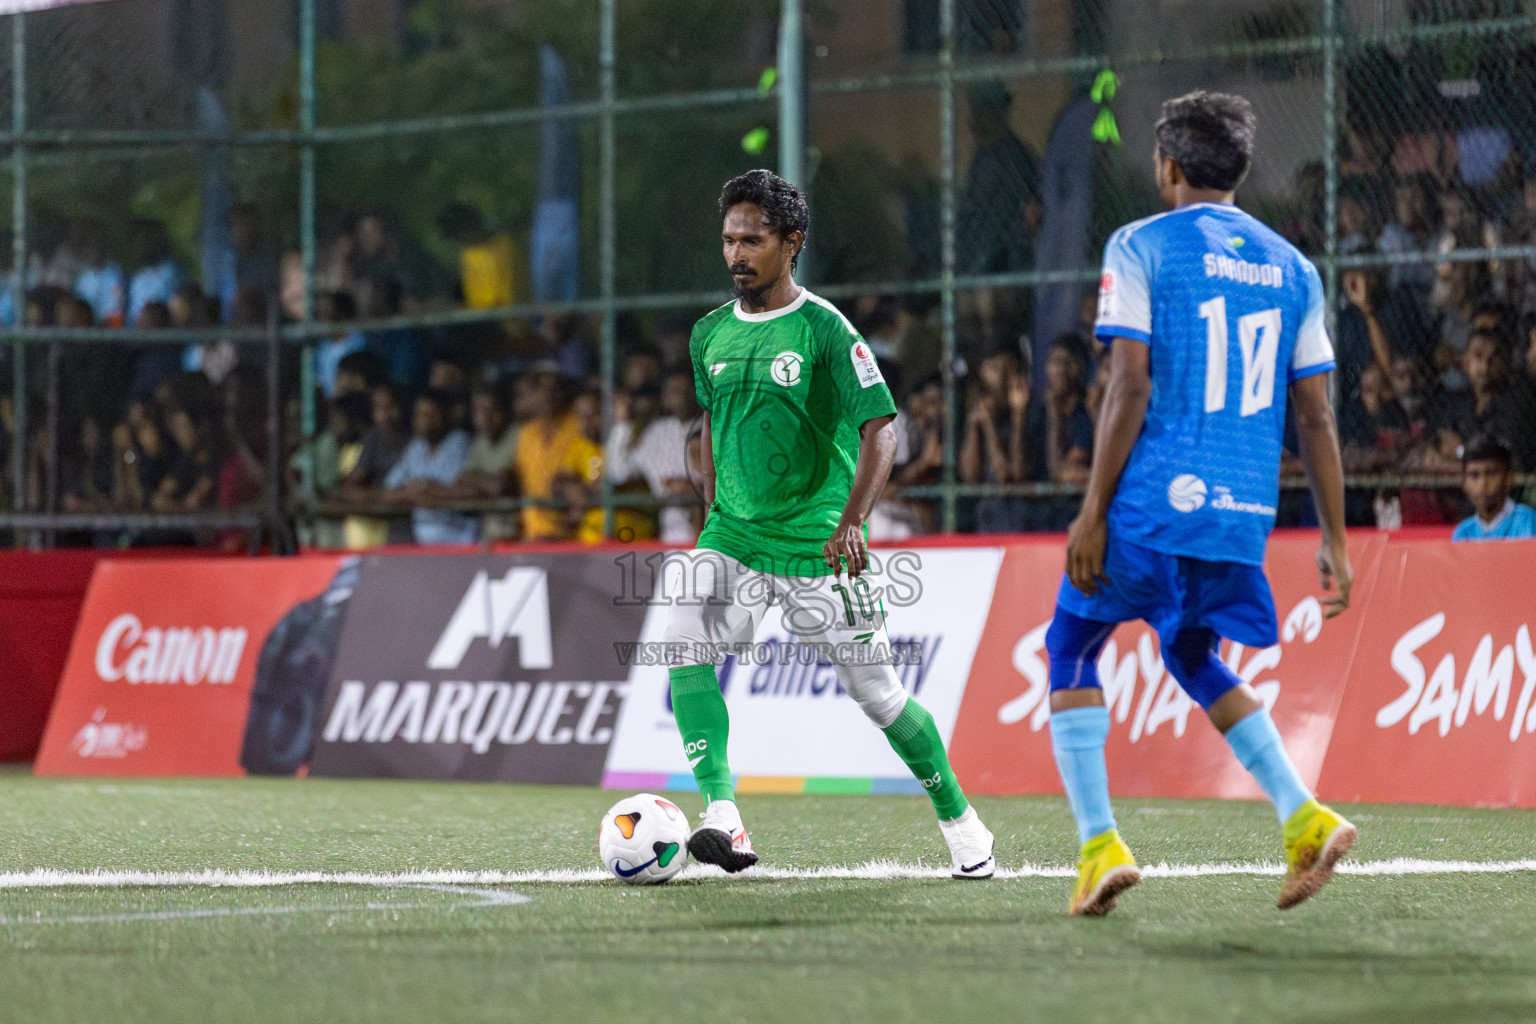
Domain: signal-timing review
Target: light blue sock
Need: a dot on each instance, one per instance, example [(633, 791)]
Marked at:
[(1258, 747), (1077, 739)]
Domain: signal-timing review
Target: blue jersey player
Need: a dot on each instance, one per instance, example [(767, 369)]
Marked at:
[(1211, 319)]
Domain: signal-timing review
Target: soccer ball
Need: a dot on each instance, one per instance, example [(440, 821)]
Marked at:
[(644, 839)]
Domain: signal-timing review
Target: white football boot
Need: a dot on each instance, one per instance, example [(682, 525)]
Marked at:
[(721, 839), (970, 846)]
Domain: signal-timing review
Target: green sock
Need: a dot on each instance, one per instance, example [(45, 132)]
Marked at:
[(914, 736), (705, 724)]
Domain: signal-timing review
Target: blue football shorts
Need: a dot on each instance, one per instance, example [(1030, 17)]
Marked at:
[(1174, 592)]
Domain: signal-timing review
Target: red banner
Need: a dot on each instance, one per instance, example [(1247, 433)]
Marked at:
[(159, 676), (1441, 702), (1161, 743)]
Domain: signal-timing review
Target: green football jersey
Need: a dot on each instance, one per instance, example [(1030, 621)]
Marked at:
[(786, 392)]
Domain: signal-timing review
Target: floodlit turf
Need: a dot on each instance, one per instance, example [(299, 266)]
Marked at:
[(1439, 947)]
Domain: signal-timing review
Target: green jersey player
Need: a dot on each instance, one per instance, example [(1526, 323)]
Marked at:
[(797, 445)]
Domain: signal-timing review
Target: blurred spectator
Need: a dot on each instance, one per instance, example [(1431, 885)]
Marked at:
[(430, 464), (649, 445), (565, 341), (1060, 431), (1460, 289), (670, 336), (919, 461), (249, 263), (543, 449), (1355, 228), (488, 261), (101, 281), (1410, 232), (153, 363), (375, 266), (399, 347), (1486, 480), (1376, 322), (999, 205), (190, 483), (382, 447), (488, 468), (88, 474), (359, 372), (994, 449), (642, 369), (158, 275), (1372, 424), (579, 478), (337, 308), (1490, 406), (336, 450)]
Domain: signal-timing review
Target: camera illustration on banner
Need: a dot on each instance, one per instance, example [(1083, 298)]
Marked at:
[(291, 676)]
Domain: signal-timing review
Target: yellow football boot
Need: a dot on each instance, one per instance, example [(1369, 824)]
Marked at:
[(1105, 869), (1315, 838)]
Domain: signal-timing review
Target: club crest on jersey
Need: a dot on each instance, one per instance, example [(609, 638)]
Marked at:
[(785, 368), (864, 365)]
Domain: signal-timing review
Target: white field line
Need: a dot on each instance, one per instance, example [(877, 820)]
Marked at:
[(48, 878), (482, 898)]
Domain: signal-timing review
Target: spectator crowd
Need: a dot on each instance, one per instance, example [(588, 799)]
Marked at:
[(424, 435)]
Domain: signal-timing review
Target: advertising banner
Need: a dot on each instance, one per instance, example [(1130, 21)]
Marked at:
[(793, 728), (22, 6), (166, 656), (1441, 702), (481, 667), (1161, 743)]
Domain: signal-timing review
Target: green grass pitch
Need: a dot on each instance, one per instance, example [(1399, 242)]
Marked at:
[(1389, 948)]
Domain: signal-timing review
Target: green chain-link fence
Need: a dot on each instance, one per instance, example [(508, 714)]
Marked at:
[(965, 161)]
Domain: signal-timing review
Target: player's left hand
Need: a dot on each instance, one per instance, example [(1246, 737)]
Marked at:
[(1336, 575), (1087, 539), (847, 543)]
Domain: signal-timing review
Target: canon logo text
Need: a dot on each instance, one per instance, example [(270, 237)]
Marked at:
[(127, 650)]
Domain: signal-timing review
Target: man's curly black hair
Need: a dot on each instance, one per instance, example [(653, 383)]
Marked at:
[(1210, 136), (782, 204)]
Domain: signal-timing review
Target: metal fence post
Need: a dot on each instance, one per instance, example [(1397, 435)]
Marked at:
[(307, 241), (947, 250), (1331, 162), (792, 93), (19, 261), (607, 255)]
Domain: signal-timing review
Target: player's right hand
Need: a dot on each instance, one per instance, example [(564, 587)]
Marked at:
[(1336, 576), (1087, 539)]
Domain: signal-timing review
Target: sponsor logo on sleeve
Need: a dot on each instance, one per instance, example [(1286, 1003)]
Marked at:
[(864, 365)]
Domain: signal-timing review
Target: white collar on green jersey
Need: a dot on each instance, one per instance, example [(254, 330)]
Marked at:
[(772, 314)]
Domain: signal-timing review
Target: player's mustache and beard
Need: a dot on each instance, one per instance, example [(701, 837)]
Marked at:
[(749, 292)]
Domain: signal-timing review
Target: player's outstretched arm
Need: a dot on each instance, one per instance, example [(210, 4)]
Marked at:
[(1120, 423), (1317, 435), (877, 451)]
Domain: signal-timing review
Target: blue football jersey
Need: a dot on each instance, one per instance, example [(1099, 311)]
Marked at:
[(1233, 314)]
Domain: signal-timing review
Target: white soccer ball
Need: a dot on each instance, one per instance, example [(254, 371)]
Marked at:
[(644, 839)]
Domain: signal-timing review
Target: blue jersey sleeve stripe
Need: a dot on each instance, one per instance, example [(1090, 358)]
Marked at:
[(1108, 332), (1311, 371)]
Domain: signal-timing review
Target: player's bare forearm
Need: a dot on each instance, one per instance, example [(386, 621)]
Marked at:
[(1120, 422), (877, 451), (1317, 435)]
